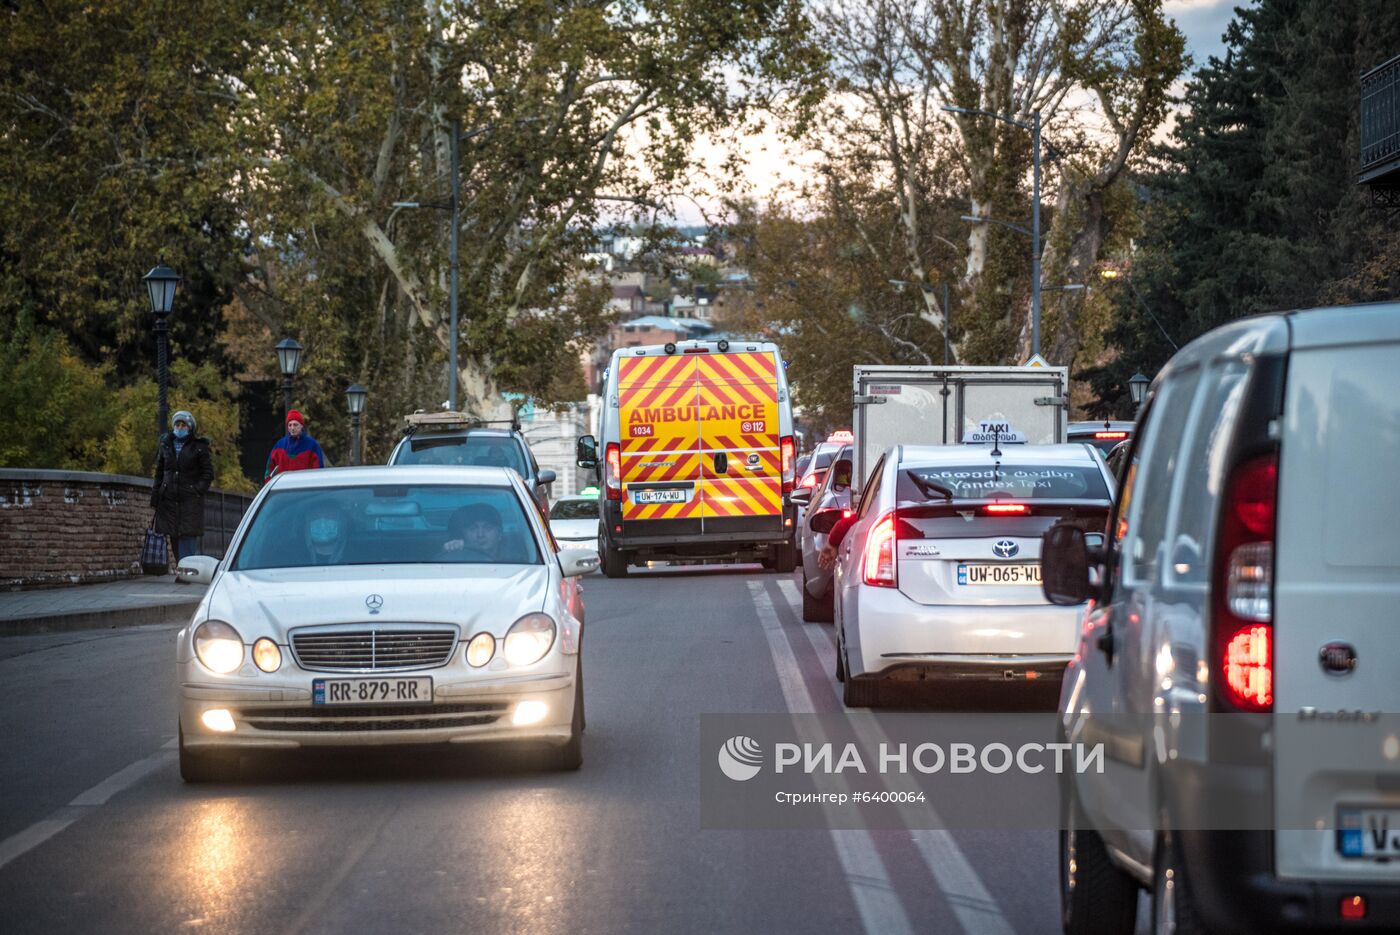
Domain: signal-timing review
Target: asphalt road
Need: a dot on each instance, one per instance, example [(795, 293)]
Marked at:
[(97, 832)]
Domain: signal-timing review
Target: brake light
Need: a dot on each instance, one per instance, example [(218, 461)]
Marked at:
[(613, 473), (696, 350), (879, 555), (789, 450), (1006, 509), (1111, 435), (809, 481), (1243, 585)]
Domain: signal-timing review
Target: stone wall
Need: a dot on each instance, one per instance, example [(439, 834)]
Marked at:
[(70, 527)]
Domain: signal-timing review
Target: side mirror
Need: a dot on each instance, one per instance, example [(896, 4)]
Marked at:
[(1064, 566), (802, 495), (547, 477), (826, 520), (577, 562), (586, 452), (197, 569)]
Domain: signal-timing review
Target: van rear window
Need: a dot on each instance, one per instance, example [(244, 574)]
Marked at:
[(1008, 481)]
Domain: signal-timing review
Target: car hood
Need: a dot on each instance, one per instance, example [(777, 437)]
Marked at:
[(475, 597), (574, 528)]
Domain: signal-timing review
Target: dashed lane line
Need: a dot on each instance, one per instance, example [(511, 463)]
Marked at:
[(976, 910), (22, 842), (874, 895)]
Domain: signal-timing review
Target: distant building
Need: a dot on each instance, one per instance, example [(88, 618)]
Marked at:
[(628, 301)]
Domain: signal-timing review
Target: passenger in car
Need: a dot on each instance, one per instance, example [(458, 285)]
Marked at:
[(327, 530), (474, 534)]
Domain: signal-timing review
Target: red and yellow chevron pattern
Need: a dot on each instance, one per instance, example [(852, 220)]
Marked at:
[(679, 412)]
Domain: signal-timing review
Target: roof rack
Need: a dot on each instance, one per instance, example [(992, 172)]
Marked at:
[(450, 422)]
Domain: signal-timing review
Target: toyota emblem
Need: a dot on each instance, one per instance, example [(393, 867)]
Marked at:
[(1005, 548), (374, 602)]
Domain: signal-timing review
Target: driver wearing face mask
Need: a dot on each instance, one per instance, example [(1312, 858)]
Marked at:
[(327, 532)]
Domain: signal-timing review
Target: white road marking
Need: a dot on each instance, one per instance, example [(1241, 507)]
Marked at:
[(976, 910), (22, 842), (869, 882)]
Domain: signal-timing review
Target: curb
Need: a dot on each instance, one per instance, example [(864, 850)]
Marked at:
[(177, 612)]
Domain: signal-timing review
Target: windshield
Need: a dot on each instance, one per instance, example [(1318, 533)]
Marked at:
[(1009, 481), (574, 509), (388, 525), (487, 450)]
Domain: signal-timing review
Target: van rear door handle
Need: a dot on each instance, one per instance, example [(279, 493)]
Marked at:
[(721, 463)]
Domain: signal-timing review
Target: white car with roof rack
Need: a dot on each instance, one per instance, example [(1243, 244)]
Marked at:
[(459, 440), (381, 606), (937, 576)]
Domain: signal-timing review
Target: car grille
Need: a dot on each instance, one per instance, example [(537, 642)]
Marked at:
[(372, 717), (373, 649)]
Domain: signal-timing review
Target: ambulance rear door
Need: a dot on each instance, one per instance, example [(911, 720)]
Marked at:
[(741, 471), (660, 443)]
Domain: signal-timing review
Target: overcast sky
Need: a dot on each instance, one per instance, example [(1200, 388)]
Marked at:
[(1202, 21)]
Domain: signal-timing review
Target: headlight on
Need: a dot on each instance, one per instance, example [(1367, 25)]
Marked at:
[(480, 650), (218, 646), (529, 638), (267, 655)]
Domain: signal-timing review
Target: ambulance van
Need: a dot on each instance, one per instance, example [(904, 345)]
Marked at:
[(696, 456)]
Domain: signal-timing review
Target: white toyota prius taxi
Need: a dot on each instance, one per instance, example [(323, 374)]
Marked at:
[(938, 578), (403, 605)]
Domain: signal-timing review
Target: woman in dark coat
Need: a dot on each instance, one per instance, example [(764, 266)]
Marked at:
[(184, 472)]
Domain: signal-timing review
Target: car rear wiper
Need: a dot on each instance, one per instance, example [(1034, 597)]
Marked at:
[(929, 488)]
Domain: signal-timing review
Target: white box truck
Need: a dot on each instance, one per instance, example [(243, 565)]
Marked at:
[(896, 405)]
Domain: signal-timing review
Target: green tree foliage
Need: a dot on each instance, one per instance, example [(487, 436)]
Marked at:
[(56, 405), (1256, 206), (112, 117), (260, 147), (822, 291)]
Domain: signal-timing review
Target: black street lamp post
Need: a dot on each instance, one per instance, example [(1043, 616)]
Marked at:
[(454, 209), (289, 361), (1137, 388), (161, 283), (355, 399)]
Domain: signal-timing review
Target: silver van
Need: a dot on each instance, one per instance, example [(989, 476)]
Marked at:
[(1240, 655)]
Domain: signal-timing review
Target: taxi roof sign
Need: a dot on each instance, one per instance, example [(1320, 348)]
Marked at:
[(991, 431), (841, 435)]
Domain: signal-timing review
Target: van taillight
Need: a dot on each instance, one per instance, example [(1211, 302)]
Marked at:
[(1243, 585), (613, 478), (789, 451), (879, 555)]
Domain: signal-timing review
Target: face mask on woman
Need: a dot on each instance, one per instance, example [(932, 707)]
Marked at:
[(182, 433)]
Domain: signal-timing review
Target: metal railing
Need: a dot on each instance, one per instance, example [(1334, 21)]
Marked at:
[(1380, 121), (223, 511)]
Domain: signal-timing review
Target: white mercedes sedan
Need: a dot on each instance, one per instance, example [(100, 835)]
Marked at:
[(938, 574), (384, 605)]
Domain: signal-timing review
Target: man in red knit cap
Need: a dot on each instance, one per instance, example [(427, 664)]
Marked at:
[(295, 451)]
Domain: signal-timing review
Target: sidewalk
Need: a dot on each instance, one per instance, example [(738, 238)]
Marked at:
[(132, 602)]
